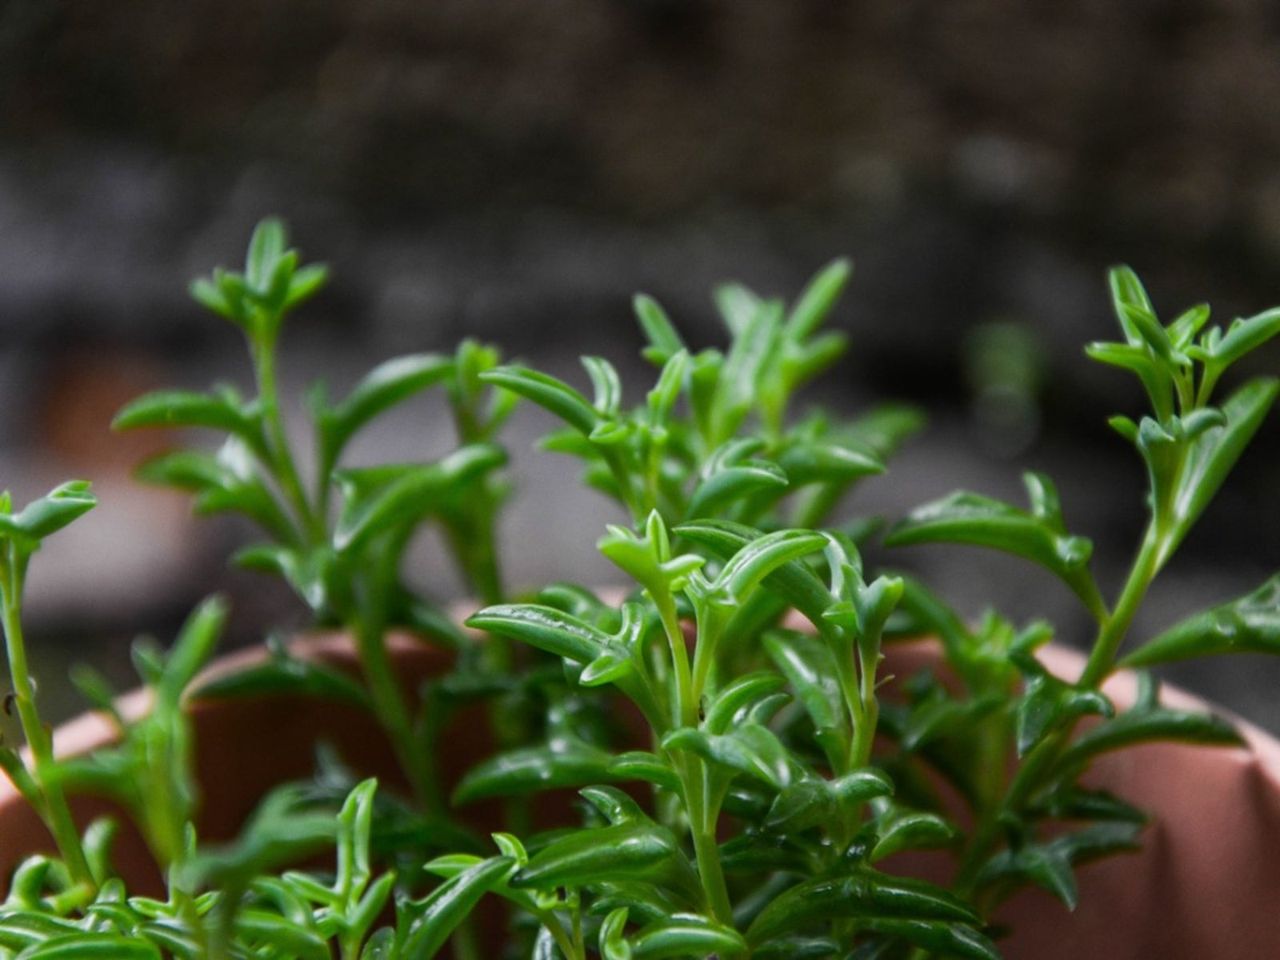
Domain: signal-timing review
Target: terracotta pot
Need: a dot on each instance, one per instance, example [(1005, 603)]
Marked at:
[(1204, 885)]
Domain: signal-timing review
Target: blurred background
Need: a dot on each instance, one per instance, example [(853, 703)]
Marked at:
[(515, 171)]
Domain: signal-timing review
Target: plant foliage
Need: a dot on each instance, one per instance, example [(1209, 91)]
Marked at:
[(758, 810)]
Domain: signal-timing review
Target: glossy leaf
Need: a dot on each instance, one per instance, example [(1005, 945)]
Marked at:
[(1216, 451), (625, 852), (286, 676), (817, 299), (945, 939), (92, 946), (563, 762), (1048, 704), (183, 408), (388, 384), (49, 514), (546, 628), (794, 581), (410, 494), (1051, 865), (900, 828), (1038, 535), (686, 935), (548, 392), (749, 748), (1154, 724), (1250, 624), (664, 341), (864, 895), (809, 666), (438, 915)]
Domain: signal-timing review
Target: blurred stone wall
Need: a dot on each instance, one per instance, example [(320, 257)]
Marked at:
[(516, 170)]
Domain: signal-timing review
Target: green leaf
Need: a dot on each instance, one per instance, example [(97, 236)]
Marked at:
[(794, 581), (283, 830), (901, 829), (182, 408), (822, 462), (943, 939), (1128, 297), (755, 561), (221, 483), (814, 801), (1039, 536), (686, 935), (210, 296), (266, 247), (864, 895), (624, 852), (438, 915), (664, 341), (1147, 725), (809, 666), (1051, 865), (1244, 336), (1215, 452), (308, 571), (754, 346), (546, 628), (286, 676), (648, 558), (817, 299), (1250, 624), (613, 943), (49, 514), (730, 474), (383, 387), (562, 762), (288, 938), (606, 383), (750, 748), (84, 945), (724, 708), (412, 493), (1048, 704), (642, 765), (192, 650), (305, 283), (548, 392)]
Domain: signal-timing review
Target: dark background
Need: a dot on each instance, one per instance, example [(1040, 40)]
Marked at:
[(515, 170)]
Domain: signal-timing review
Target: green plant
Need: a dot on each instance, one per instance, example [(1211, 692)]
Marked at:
[(756, 813)]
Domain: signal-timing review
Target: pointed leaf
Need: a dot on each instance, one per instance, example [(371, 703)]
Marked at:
[(1250, 624)]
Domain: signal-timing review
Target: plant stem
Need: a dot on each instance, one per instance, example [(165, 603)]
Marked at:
[(703, 810), (703, 814), (393, 713), (54, 807), (1100, 664), (264, 364), (1103, 656), (684, 712)]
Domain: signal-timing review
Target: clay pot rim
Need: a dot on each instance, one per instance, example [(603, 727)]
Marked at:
[(94, 729)]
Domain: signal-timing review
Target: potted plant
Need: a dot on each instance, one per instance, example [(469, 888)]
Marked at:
[(713, 760)]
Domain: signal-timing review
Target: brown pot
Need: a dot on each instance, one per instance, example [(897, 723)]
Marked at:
[(1204, 885)]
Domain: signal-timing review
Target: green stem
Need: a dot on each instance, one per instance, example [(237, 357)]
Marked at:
[(264, 363), (1103, 656), (1101, 663), (684, 712), (864, 735), (393, 713), (702, 808), (54, 807), (562, 939), (704, 813)]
